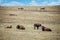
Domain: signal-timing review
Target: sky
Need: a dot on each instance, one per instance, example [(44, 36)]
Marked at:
[(29, 2)]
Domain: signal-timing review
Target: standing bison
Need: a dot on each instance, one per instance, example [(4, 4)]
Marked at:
[(37, 26), (20, 27), (46, 29)]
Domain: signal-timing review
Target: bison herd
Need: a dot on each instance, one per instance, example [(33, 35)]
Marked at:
[(21, 27), (42, 27)]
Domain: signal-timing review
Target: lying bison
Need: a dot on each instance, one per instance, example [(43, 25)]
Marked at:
[(12, 15), (20, 27), (9, 26), (46, 29), (37, 26)]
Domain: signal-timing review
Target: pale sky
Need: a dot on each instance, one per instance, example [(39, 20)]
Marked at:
[(29, 2)]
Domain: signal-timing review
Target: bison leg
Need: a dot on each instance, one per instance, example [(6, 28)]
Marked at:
[(34, 27), (37, 28)]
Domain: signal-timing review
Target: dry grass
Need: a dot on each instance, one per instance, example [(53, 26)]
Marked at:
[(28, 18)]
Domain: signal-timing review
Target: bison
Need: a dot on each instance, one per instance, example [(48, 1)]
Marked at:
[(46, 29), (9, 26), (37, 26), (20, 27)]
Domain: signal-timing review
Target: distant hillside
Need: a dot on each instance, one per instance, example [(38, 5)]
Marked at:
[(31, 8)]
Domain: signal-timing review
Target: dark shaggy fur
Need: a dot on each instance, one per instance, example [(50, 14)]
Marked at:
[(20, 27), (46, 29)]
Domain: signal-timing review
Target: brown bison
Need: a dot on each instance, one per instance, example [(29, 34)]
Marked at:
[(46, 29), (12, 15), (9, 26), (20, 27), (37, 26)]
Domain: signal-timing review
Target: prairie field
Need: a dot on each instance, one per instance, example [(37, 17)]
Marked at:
[(28, 19)]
